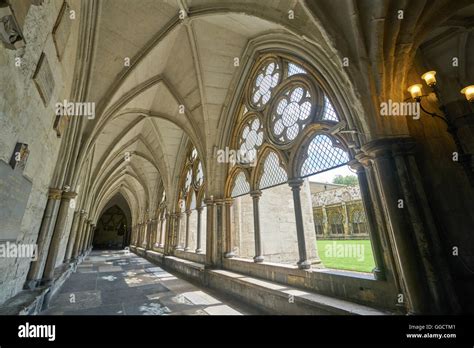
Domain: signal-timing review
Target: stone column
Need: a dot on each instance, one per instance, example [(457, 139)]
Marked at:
[(411, 226), (256, 221), (171, 238), (91, 237), (210, 233), (80, 231), (186, 245), (368, 204), (219, 232), (147, 235), (178, 230), (229, 240), (155, 233), (85, 226), (144, 234), (160, 235), (72, 236), (46, 232), (325, 222), (58, 234), (345, 214), (139, 234), (295, 185), (199, 227), (405, 253), (85, 236)]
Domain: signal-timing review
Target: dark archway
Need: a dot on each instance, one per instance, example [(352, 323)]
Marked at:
[(113, 229)]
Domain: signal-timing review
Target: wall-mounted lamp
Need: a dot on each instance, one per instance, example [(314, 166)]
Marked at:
[(469, 93), (430, 78), (416, 93)]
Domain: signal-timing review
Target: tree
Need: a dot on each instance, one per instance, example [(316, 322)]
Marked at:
[(348, 180)]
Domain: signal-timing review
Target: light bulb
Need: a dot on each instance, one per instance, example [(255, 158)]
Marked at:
[(415, 91), (430, 78), (469, 93)]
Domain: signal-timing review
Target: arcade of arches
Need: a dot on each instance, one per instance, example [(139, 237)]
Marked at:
[(241, 145)]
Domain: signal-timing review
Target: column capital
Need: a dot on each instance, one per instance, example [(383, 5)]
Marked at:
[(361, 159), (256, 194), (67, 195), (55, 194), (387, 147), (83, 212), (296, 182), (219, 201), (209, 201)]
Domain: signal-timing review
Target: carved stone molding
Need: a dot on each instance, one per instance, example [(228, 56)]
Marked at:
[(10, 33), (55, 194), (69, 195)]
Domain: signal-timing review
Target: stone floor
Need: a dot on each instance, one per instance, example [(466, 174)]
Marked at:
[(121, 283)]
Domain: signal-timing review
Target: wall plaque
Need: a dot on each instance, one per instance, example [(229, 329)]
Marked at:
[(19, 157), (61, 30), (14, 194), (44, 79)]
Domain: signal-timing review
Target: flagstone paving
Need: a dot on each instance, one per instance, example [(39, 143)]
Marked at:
[(121, 283)]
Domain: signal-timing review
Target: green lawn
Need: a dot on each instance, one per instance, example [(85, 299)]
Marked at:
[(353, 255)]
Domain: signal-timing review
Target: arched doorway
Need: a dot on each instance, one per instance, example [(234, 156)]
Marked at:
[(113, 228)]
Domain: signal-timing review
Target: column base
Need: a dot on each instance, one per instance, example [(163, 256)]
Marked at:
[(187, 249), (31, 284), (229, 255), (199, 251), (379, 274), (304, 264), (47, 282), (258, 259)]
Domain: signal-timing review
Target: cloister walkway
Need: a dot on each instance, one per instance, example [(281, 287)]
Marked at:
[(121, 283)]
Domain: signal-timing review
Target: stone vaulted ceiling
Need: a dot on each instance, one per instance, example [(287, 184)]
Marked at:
[(187, 64)]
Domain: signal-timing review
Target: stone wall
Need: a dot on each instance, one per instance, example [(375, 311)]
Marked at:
[(25, 118), (277, 224)]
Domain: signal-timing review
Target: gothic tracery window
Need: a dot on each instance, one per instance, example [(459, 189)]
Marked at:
[(283, 98), (250, 140), (190, 202), (358, 222), (336, 223), (284, 130), (192, 178), (291, 114), (265, 81)]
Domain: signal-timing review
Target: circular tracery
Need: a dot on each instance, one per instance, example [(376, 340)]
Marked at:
[(266, 80), (251, 139), (291, 115)]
